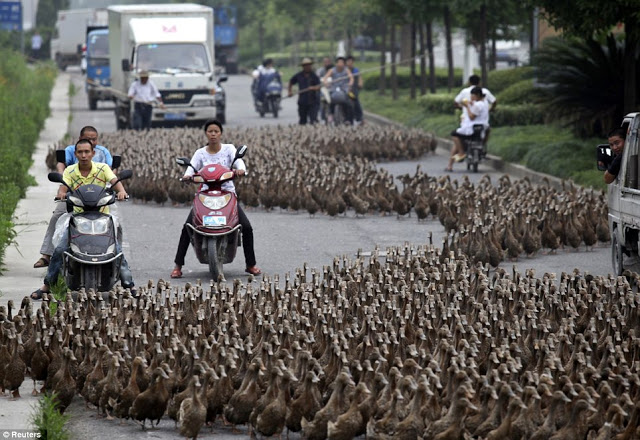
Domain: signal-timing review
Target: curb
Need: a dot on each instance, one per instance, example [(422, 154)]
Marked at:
[(495, 162)]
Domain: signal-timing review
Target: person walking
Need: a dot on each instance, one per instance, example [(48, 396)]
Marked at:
[(143, 92), (36, 45), (355, 91), (308, 86)]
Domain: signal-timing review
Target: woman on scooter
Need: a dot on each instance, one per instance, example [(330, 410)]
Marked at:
[(217, 153)]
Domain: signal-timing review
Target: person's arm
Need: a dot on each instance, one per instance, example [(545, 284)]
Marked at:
[(327, 75), (108, 158), (613, 170), (468, 105), (196, 161), (292, 81), (157, 94), (119, 188), (132, 90), (350, 78)]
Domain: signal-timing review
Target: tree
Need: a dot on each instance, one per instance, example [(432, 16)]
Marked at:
[(588, 18)]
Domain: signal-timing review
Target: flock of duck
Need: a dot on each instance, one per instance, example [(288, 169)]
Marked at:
[(332, 170), (411, 342)]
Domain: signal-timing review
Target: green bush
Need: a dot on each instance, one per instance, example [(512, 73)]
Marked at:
[(48, 421), (438, 103), (528, 114), (517, 93), (501, 79), (24, 105), (372, 79)]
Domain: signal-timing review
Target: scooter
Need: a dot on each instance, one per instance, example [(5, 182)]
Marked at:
[(475, 147), (270, 102), (92, 259), (215, 231)]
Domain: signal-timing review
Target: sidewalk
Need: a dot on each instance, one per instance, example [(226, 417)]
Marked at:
[(31, 216)]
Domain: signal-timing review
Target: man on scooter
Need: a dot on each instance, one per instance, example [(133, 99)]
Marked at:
[(217, 153), (102, 155), (82, 173)]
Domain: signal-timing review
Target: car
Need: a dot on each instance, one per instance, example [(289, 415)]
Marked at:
[(506, 57)]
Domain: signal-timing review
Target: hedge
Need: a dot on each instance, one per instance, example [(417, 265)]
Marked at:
[(517, 93), (24, 106), (438, 103), (501, 79), (371, 79)]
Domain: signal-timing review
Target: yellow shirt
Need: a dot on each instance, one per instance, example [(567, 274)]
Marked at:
[(100, 174)]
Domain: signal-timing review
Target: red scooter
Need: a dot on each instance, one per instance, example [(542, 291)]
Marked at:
[(215, 232)]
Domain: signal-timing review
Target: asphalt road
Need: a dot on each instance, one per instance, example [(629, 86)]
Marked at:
[(283, 240)]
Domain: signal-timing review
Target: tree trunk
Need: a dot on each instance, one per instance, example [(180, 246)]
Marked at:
[(349, 45), (382, 82), (423, 61), (394, 77), (483, 43), (492, 61), (447, 32), (261, 40), (412, 67), (314, 43), (432, 64), (630, 79)]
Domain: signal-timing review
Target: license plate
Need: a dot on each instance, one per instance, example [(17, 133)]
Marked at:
[(212, 220), (175, 116)]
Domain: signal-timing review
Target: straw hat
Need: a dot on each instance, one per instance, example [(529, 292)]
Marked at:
[(143, 74), (306, 61)]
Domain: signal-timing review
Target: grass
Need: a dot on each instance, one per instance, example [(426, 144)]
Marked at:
[(24, 106), (59, 292), (546, 148), (48, 421)]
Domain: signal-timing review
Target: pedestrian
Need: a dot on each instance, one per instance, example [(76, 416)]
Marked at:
[(355, 91), (36, 45), (143, 92), (102, 155), (616, 139), (308, 86)]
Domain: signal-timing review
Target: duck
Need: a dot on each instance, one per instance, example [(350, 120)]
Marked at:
[(413, 425), (193, 412), (386, 426), (242, 402), (271, 420), (123, 403), (576, 428), (65, 388), (16, 368), (352, 423), (306, 405), (151, 403), (109, 387), (504, 430), (337, 405), (39, 364), (547, 429)]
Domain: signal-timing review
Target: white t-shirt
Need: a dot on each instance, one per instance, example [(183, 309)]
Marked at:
[(481, 110), (466, 94), (224, 157), (144, 92)]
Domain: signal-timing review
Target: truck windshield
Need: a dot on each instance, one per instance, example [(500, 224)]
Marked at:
[(98, 49), (188, 57)]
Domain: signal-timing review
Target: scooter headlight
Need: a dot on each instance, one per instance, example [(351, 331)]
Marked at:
[(92, 227), (215, 202), (104, 200), (76, 201)]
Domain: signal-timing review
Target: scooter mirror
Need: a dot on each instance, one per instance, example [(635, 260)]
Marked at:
[(604, 156), (223, 78), (182, 161), (55, 177), (125, 174), (117, 161), (241, 152)]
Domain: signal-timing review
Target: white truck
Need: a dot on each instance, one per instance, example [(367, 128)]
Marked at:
[(70, 34), (624, 197), (174, 43)]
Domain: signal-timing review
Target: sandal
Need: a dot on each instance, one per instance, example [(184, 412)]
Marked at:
[(253, 270), (42, 262), (38, 294), (177, 273)]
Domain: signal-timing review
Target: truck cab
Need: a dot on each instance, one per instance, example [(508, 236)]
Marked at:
[(174, 43), (98, 71), (624, 197)]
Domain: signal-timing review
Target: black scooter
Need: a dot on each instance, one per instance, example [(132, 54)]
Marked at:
[(92, 259)]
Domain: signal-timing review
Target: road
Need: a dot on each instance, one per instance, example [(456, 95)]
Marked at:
[(284, 240)]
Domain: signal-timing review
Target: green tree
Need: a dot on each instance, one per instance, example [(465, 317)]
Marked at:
[(587, 18)]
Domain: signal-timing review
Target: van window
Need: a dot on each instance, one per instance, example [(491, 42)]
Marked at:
[(631, 150)]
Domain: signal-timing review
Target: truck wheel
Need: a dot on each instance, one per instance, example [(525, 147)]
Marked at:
[(215, 265), (93, 103), (616, 254)]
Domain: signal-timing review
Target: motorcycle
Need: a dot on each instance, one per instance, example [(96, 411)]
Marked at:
[(92, 259), (215, 230), (271, 96), (475, 147)]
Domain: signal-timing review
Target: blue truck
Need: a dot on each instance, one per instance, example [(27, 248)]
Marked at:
[(225, 37), (98, 72)]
